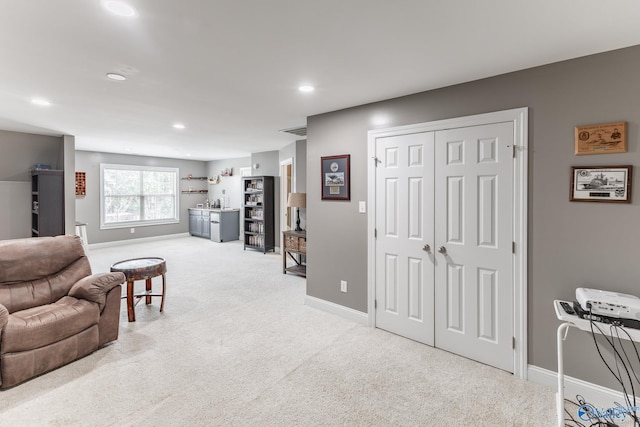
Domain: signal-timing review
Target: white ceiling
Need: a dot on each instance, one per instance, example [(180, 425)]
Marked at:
[(229, 69)]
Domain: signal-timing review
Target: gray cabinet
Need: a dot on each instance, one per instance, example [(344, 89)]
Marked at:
[(199, 223), (225, 225)]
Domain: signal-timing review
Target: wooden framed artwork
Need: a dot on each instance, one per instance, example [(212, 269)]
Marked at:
[(610, 184), (81, 183), (335, 178), (601, 139)]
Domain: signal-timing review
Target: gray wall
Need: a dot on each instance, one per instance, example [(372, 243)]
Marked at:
[(69, 166), (88, 207), (301, 176), (297, 151), (15, 210), (230, 185), (19, 152), (269, 162), (301, 165), (570, 244)]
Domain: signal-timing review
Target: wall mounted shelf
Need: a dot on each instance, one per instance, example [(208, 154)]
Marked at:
[(194, 178), (194, 191)]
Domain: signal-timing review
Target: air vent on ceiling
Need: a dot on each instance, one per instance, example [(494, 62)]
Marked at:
[(301, 131)]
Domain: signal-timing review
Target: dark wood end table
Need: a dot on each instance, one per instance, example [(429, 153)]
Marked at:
[(142, 269)]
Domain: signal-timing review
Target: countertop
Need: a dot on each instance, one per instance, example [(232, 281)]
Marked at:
[(215, 209)]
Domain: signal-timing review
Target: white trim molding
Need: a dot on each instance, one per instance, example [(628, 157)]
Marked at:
[(519, 117), (596, 395), (340, 310), (116, 243)]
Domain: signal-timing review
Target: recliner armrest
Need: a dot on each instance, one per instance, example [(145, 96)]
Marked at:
[(4, 316), (95, 287)]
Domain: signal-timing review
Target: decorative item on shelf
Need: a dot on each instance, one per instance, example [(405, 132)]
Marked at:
[(297, 200), (335, 177), (215, 180), (601, 184), (40, 167), (227, 172)]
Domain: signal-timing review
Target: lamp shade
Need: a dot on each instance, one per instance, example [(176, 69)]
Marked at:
[(297, 200)]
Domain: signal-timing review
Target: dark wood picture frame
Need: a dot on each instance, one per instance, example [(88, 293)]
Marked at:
[(335, 177), (608, 184)]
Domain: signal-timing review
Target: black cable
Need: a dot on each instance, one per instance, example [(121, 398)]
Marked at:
[(595, 419), (617, 356), (618, 378), (617, 329), (575, 422)]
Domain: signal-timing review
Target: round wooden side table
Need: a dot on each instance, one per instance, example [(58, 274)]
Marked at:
[(142, 269)]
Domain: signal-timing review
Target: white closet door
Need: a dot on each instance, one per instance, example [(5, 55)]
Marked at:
[(404, 224), (473, 238)]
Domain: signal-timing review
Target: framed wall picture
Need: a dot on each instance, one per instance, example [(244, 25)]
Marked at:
[(335, 178), (81, 183), (601, 184), (601, 139)]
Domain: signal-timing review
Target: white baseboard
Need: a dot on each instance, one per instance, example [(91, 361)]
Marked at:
[(134, 241), (340, 310), (598, 396)]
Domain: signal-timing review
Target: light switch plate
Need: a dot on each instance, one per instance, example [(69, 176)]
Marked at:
[(362, 207)]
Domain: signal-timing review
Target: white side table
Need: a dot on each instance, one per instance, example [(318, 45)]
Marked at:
[(572, 320), (81, 230)]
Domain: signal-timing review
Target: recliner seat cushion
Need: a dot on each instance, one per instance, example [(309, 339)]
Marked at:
[(43, 325)]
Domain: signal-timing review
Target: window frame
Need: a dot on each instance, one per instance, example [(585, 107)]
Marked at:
[(138, 223)]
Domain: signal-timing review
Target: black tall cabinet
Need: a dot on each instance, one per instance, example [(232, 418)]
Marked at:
[(258, 209), (47, 203)]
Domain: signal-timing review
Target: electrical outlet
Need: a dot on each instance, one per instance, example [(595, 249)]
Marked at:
[(343, 286), (133, 230)]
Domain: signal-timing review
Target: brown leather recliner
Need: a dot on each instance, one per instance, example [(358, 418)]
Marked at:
[(52, 309)]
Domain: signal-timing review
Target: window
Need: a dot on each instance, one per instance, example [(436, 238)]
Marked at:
[(137, 195)]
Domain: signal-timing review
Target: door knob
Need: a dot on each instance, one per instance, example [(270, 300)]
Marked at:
[(442, 250), (426, 248)]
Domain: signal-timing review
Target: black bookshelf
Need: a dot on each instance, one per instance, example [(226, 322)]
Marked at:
[(47, 203), (258, 209)]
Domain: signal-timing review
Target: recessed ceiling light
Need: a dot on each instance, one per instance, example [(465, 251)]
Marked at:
[(119, 8), (188, 154), (116, 76), (178, 126), (40, 101), (306, 88)]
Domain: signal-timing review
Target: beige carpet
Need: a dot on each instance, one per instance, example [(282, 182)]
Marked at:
[(236, 346)]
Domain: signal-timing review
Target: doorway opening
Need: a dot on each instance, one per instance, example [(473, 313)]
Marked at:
[(287, 186)]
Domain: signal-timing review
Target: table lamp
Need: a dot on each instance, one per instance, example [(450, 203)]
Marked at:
[(297, 200)]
